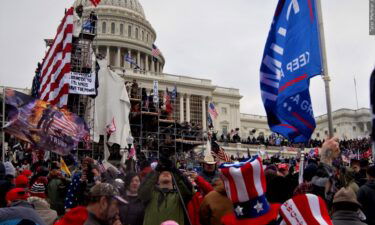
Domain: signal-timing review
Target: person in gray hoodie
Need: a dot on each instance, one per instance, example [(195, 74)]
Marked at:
[(366, 196)]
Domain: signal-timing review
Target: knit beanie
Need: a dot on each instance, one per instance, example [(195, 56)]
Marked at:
[(38, 190)]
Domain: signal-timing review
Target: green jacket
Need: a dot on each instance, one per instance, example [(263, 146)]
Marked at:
[(56, 195), (162, 205)]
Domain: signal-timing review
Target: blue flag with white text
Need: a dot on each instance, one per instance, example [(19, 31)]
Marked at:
[(291, 57)]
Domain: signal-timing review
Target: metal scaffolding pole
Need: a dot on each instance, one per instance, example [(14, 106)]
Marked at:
[(325, 74), (2, 129)]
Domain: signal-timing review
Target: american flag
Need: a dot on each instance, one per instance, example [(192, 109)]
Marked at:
[(129, 59), (155, 52), (61, 122), (219, 153), (212, 111), (55, 72), (95, 2)]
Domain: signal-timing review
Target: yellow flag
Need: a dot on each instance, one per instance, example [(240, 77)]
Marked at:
[(64, 167)]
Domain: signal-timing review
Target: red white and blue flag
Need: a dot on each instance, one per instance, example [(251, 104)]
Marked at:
[(155, 52), (305, 209), (291, 57), (212, 110), (56, 68)]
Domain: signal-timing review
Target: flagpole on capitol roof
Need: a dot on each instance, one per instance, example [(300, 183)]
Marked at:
[(325, 74)]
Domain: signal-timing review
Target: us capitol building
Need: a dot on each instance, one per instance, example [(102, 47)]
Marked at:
[(123, 29)]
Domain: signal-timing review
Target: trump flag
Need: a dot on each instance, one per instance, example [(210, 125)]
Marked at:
[(291, 57)]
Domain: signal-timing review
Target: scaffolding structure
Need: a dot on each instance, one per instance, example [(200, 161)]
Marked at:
[(156, 131), (84, 105)]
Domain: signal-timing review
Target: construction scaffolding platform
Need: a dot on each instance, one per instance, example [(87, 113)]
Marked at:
[(156, 130)]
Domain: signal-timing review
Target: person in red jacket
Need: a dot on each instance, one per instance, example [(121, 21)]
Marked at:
[(194, 205)]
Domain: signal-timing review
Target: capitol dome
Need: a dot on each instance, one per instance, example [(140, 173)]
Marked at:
[(122, 29), (131, 5)]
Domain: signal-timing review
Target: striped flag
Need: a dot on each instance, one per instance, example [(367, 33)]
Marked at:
[(305, 209), (212, 110), (61, 122), (95, 2), (219, 153), (56, 68), (155, 52)]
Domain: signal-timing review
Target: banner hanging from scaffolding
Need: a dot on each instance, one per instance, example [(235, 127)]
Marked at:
[(43, 125), (82, 83)]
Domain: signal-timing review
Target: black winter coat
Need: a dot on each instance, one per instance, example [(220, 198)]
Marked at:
[(132, 213), (366, 196)]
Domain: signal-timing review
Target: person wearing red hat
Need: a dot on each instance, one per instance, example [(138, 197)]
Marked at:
[(22, 181), (19, 211), (283, 169), (245, 184), (38, 190), (27, 173), (16, 194), (75, 216)]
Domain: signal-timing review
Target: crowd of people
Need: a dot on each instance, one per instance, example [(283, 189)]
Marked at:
[(359, 144), (162, 193)]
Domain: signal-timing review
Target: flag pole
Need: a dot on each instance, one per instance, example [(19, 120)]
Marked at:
[(356, 94), (325, 74)]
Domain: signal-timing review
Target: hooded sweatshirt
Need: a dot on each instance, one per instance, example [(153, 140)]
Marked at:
[(366, 196)]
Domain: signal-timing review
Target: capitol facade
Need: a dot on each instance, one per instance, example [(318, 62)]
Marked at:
[(123, 29)]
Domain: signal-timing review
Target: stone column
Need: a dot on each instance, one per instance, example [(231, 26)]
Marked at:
[(146, 63), (204, 114), (157, 67), (139, 58), (108, 56), (152, 65), (181, 108), (118, 63), (128, 63), (97, 50), (188, 108)]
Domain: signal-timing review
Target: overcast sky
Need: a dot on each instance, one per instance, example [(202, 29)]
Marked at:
[(219, 40)]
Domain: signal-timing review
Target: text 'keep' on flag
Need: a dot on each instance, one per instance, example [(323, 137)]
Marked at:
[(292, 56)]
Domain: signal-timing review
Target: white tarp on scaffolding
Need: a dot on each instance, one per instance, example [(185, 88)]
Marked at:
[(111, 104)]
